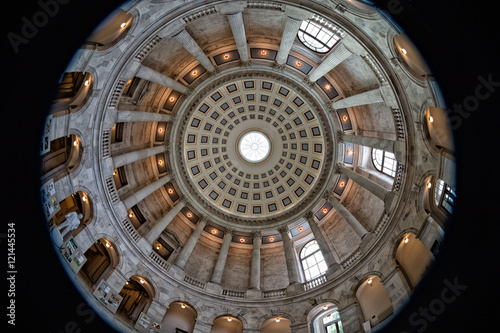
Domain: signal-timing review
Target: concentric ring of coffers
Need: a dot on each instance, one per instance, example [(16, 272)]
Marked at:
[(233, 184)]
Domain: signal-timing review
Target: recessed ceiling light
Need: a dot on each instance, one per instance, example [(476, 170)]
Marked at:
[(171, 191), (342, 184), (172, 99), (226, 56), (189, 215), (84, 198), (160, 162), (345, 118), (328, 87), (214, 231), (160, 130), (194, 73), (271, 239), (349, 152), (107, 245), (325, 210), (130, 215), (298, 63), (300, 228), (263, 52), (242, 240)]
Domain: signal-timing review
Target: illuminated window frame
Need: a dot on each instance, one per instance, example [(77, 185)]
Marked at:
[(317, 37), (384, 162), (312, 260), (444, 196)]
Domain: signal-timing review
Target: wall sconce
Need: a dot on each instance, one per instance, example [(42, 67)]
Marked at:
[(75, 143), (171, 99), (325, 210), (123, 25), (271, 239), (328, 87), (406, 240), (86, 83), (107, 245), (183, 306), (345, 118), (263, 52), (84, 198), (298, 63), (349, 152), (278, 320), (429, 185), (142, 281), (342, 184), (194, 73), (431, 119), (226, 56), (229, 319), (403, 50), (299, 229), (370, 281)]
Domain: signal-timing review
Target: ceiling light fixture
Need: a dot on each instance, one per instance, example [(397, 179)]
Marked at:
[(431, 119), (194, 73), (328, 87), (345, 118), (299, 229), (407, 240), (75, 143), (84, 198), (278, 320), (370, 281), (130, 215), (325, 307), (86, 83), (429, 185), (271, 239), (226, 56), (342, 184), (172, 99), (157, 247), (298, 63), (123, 25), (160, 130), (214, 231), (403, 50), (349, 152), (325, 210), (160, 162), (263, 52), (242, 240), (107, 245), (189, 215), (183, 306), (229, 319)]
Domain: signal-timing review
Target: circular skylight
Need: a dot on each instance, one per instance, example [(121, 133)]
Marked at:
[(254, 146)]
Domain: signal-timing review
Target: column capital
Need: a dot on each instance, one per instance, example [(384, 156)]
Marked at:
[(184, 201), (327, 195), (340, 136), (229, 231), (309, 215), (257, 234), (279, 67), (283, 229), (308, 81)]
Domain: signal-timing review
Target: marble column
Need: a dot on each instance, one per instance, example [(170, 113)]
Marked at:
[(367, 97), (161, 224), (134, 156), (156, 77), (221, 259), (377, 143), (379, 191), (138, 116), (190, 244), (338, 54), (238, 28), (323, 245), (291, 29), (255, 271), (291, 266), (140, 195), (353, 222), (185, 39)]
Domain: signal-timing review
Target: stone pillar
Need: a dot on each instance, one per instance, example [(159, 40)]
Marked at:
[(377, 143), (291, 266), (396, 286), (138, 116), (351, 322), (255, 272), (190, 244), (146, 191), (153, 76), (367, 97), (353, 222), (323, 245), (379, 191), (134, 156), (185, 39), (291, 29), (201, 327), (160, 225), (336, 56), (238, 29), (221, 260)]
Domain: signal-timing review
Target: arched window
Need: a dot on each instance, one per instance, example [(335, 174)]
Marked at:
[(313, 262), (332, 323), (444, 196), (317, 37), (384, 161)]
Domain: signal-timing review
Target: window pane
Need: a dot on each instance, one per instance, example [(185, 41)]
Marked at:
[(331, 329), (317, 37)]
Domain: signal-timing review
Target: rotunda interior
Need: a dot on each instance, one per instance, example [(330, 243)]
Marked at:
[(247, 166)]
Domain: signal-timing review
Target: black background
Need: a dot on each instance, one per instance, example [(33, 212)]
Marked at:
[(459, 41)]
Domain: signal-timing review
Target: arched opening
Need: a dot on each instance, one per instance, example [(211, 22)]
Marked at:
[(410, 57), (60, 155), (384, 162), (325, 318), (74, 213), (276, 325), (312, 260), (318, 34), (72, 93), (102, 259), (113, 29), (179, 318), (413, 257), (227, 324), (137, 295), (374, 301)]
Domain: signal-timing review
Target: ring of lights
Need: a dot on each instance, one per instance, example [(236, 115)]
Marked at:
[(239, 193)]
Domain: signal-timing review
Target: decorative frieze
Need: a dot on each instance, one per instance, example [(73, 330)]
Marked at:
[(148, 48), (201, 13)]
